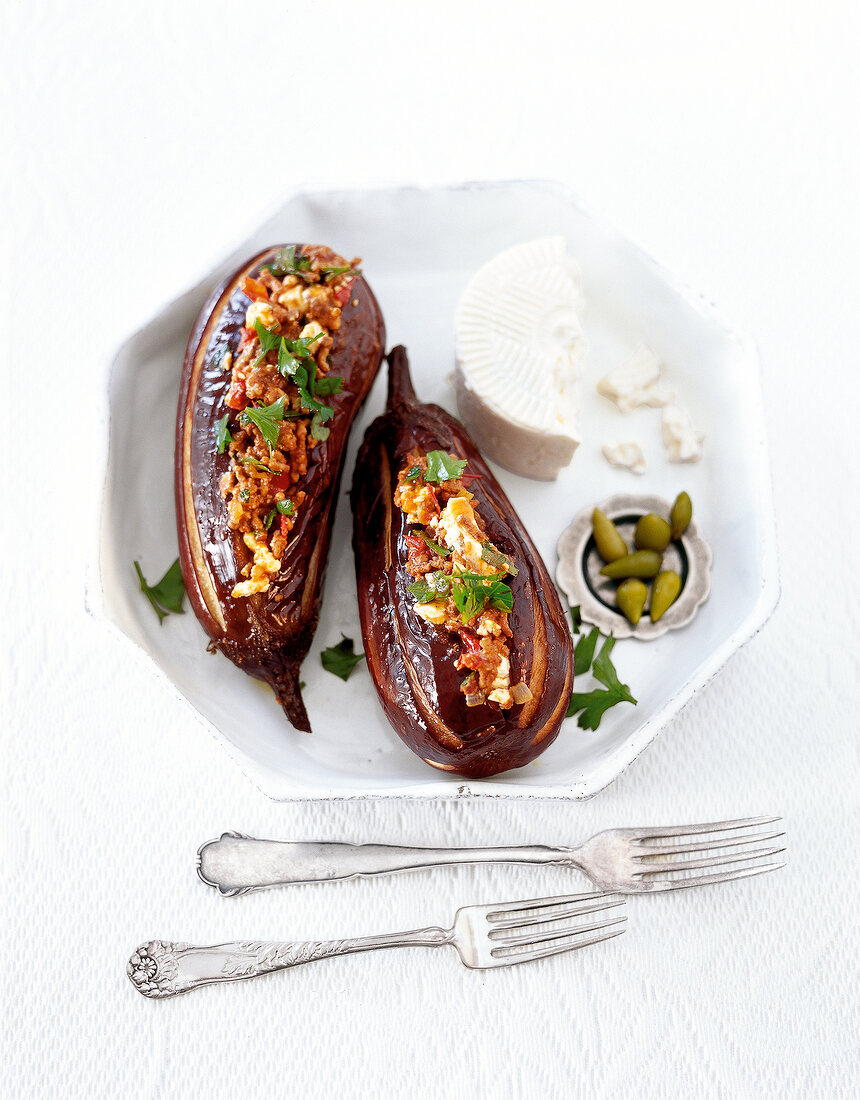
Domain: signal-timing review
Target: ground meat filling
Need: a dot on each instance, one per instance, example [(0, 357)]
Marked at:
[(299, 297), (459, 575)]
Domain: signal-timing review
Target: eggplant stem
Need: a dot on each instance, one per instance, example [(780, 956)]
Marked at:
[(400, 390)]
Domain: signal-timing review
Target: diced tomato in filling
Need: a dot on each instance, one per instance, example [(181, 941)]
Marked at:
[(247, 336), (254, 289), (418, 553), (342, 293), (285, 525), (279, 483), (237, 398)]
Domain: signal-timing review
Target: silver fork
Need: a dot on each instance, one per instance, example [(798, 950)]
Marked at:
[(485, 936), (627, 861)]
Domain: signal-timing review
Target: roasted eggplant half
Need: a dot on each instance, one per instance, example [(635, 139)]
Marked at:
[(279, 361), (465, 636)]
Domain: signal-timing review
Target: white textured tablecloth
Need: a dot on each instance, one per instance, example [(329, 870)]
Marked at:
[(139, 141)]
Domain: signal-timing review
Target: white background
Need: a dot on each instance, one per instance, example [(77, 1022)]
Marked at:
[(140, 140)]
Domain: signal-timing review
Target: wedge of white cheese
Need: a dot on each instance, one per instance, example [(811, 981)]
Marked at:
[(519, 351)]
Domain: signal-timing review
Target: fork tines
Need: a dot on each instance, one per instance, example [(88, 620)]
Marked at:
[(527, 930), (667, 856)]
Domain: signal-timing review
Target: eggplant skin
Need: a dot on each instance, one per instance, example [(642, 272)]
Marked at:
[(410, 661), (268, 634)]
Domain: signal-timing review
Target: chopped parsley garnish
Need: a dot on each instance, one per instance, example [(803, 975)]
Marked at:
[(244, 494), (218, 357), (318, 429), (592, 705), (441, 467), (286, 262), (166, 596), (414, 471), (292, 357), (494, 557), (431, 586), (222, 434), (248, 460), (332, 271), (282, 507), (268, 419), (340, 659), (471, 591), (436, 547), (328, 385)]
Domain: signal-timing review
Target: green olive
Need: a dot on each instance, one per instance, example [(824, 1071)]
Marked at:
[(610, 544), (681, 514), (644, 563), (631, 597), (664, 592), (652, 533)]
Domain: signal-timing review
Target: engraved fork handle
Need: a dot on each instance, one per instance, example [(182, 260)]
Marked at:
[(162, 969), (235, 864)]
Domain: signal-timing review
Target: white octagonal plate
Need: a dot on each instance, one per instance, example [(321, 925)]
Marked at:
[(419, 248)]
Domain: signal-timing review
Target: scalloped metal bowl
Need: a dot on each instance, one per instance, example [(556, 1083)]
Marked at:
[(579, 565), (419, 248)]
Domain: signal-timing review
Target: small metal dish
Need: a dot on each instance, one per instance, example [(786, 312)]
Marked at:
[(579, 565)]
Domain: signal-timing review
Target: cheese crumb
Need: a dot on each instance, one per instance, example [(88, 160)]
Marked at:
[(683, 443), (264, 565), (625, 456), (636, 383)]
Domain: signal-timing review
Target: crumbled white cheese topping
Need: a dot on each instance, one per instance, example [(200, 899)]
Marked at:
[(264, 565), (683, 443)]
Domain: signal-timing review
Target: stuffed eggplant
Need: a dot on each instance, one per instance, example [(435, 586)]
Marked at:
[(465, 636), (278, 363)]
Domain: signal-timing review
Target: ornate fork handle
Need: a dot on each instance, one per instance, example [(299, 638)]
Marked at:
[(162, 969), (236, 863)]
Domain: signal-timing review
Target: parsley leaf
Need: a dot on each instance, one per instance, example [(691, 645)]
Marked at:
[(442, 467), (594, 704), (340, 659), (285, 507), (286, 262), (576, 618), (328, 384), (167, 594), (318, 429), (268, 340), (442, 551), (222, 433), (414, 471), (267, 418), (497, 559), (270, 519), (584, 651), (604, 671), (471, 591), (431, 586), (248, 460), (331, 271)]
